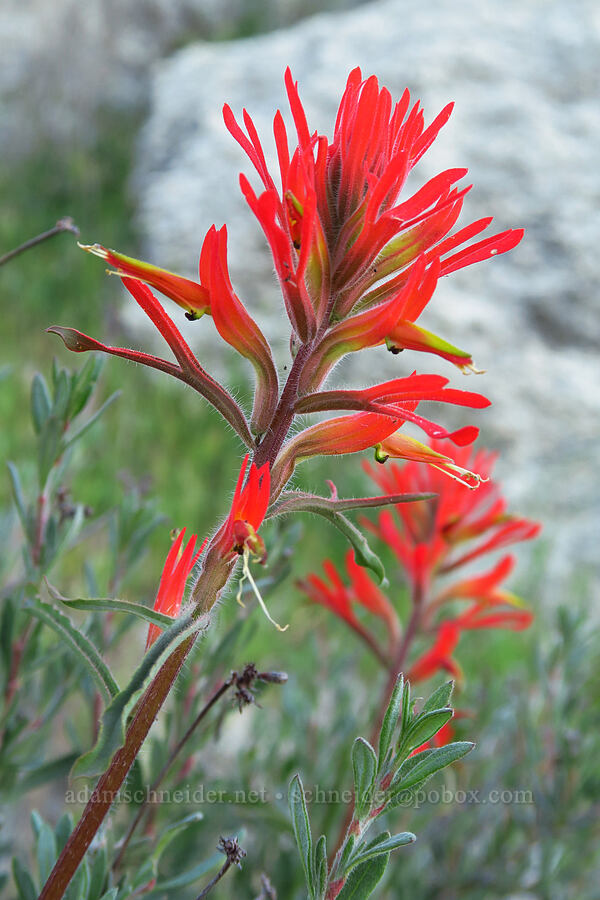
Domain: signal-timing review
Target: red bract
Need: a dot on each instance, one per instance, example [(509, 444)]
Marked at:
[(340, 598), (248, 508), (175, 573)]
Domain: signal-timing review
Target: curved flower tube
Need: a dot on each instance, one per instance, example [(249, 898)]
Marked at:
[(176, 571)]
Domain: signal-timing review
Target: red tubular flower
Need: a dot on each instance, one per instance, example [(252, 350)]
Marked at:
[(342, 242), (190, 295), (248, 508), (439, 656), (175, 573), (340, 598)]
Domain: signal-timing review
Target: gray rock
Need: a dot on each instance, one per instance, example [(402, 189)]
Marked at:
[(524, 75), (63, 62)]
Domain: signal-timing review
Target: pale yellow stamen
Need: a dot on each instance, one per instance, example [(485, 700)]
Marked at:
[(247, 574)]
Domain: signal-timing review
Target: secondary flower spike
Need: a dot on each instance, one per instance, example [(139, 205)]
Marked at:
[(176, 571)]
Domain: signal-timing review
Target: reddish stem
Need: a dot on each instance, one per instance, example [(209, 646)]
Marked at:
[(109, 784)]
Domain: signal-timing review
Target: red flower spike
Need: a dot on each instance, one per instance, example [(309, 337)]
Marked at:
[(341, 239), (192, 297), (248, 509), (175, 573)]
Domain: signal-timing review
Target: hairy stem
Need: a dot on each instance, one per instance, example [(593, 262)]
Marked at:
[(165, 769)]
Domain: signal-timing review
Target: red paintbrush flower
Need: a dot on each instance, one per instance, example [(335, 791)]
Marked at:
[(342, 242), (239, 533), (175, 573), (340, 599)]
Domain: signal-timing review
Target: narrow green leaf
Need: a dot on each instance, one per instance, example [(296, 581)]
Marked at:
[(40, 402), (112, 726), (301, 825), (23, 881), (364, 766), (63, 830), (83, 384), (89, 604), (385, 846), (320, 506), (423, 728), (19, 499), (78, 642), (435, 760), (364, 878), (110, 895), (91, 421), (407, 708), (440, 698), (98, 873), (181, 881), (48, 771), (321, 868), (173, 831), (390, 721), (347, 851)]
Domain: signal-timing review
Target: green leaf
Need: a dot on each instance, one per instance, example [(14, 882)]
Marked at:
[(63, 830), (407, 708), (78, 642), (91, 421), (112, 726), (440, 698), (45, 852), (347, 851), (19, 499), (424, 728), (384, 846), (364, 878), (89, 604), (180, 881), (390, 721), (173, 831), (83, 384), (98, 873), (364, 766), (322, 507), (111, 894), (40, 402), (299, 812), (24, 882), (433, 761), (48, 771), (321, 868)]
